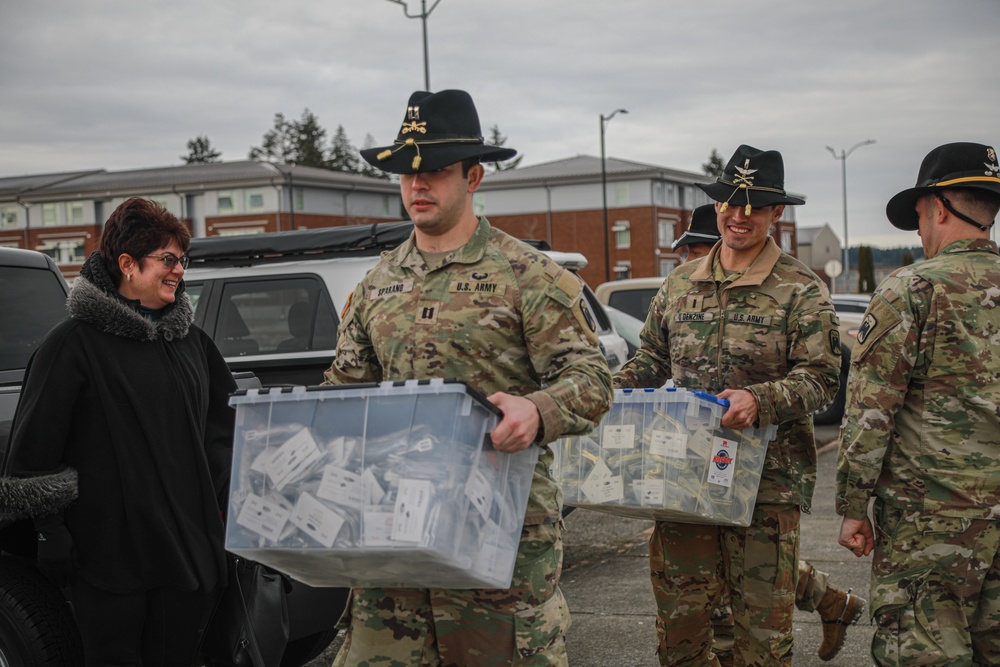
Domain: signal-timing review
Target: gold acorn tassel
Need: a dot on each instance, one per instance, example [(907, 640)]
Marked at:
[(384, 155)]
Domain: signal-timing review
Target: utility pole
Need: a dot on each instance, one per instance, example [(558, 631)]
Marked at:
[(424, 13)]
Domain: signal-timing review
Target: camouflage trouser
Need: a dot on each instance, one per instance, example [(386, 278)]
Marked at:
[(808, 593), (524, 625), (693, 566), (935, 589)]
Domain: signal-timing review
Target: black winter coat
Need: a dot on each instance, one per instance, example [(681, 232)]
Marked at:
[(141, 410)]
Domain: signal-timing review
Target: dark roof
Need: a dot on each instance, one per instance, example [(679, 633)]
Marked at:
[(188, 177), (586, 168), (349, 240), (12, 186)]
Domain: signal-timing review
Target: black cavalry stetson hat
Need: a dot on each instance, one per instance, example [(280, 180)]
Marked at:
[(759, 174), (438, 129), (959, 165), (704, 228)]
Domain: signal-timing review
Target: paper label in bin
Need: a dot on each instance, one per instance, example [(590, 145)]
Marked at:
[(723, 463), (263, 517), (316, 520), (292, 458), (371, 489), (378, 528), (649, 491), (619, 437), (342, 487), (478, 491), (601, 486), (410, 514), (667, 444)]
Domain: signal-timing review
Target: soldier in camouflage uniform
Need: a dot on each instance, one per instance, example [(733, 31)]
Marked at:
[(461, 299), (754, 326), (922, 429)]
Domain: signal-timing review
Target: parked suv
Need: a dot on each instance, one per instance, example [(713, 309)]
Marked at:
[(272, 302)]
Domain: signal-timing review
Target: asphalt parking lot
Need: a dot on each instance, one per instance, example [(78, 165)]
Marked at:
[(606, 581)]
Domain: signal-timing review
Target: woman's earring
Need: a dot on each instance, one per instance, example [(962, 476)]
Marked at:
[(129, 276)]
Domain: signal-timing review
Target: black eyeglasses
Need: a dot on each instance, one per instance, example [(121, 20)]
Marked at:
[(171, 260)]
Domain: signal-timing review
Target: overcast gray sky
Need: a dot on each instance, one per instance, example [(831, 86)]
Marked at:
[(123, 84)]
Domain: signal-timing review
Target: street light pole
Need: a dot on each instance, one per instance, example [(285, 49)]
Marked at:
[(604, 195), (424, 13), (843, 183)]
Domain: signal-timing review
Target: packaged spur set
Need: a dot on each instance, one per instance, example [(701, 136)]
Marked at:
[(662, 454), (389, 485)]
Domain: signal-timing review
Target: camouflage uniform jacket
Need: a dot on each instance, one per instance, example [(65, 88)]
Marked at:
[(495, 314), (770, 329), (922, 427)]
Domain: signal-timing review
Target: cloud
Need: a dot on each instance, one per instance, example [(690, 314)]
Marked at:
[(119, 85)]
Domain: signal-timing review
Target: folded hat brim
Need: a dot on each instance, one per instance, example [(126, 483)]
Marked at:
[(690, 238), (432, 156), (901, 209), (722, 192)]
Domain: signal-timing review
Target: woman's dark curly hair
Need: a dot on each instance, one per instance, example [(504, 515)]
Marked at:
[(138, 227)]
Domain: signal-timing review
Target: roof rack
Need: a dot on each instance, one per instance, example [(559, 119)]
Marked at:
[(352, 240)]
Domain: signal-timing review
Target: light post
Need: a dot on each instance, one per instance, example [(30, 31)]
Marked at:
[(843, 181), (604, 194), (424, 13)]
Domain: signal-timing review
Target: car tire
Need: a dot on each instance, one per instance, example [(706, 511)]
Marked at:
[(831, 413), (36, 625)]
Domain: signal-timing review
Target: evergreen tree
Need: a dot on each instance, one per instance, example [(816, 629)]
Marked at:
[(715, 166), (342, 155), (309, 141), (278, 143), (907, 258), (200, 151), (498, 139), (866, 270), (367, 169)]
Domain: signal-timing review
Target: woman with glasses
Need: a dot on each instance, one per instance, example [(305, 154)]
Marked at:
[(128, 397)]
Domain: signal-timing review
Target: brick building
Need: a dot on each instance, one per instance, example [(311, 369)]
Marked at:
[(62, 214), (648, 207)]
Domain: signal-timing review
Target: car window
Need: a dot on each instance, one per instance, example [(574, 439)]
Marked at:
[(635, 302), (32, 302), (275, 316), (194, 291)]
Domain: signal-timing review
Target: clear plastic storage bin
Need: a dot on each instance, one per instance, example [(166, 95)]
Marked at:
[(662, 454), (393, 485)]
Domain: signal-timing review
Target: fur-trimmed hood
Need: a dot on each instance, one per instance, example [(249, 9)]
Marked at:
[(95, 300), (25, 497)]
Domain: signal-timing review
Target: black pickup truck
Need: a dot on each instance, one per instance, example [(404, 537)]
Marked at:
[(36, 622)]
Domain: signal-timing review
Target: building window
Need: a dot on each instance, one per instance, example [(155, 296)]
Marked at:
[(623, 270), (300, 199), (786, 241), (8, 217), (65, 251), (76, 213), (225, 203), (623, 235), (670, 195), (667, 265), (621, 194), (50, 216), (255, 200), (665, 232)]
